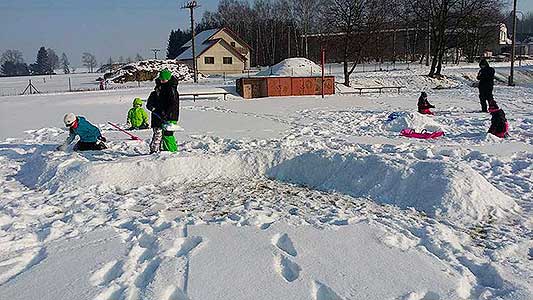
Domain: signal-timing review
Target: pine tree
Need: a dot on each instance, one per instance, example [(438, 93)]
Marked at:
[(176, 40), (65, 64), (42, 64), (53, 59)]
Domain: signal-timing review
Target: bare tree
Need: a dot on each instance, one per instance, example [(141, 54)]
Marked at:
[(446, 19), (352, 21), (14, 56), (65, 64), (89, 60), (305, 14)]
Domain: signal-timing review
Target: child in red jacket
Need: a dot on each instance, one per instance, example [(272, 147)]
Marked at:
[(424, 105)]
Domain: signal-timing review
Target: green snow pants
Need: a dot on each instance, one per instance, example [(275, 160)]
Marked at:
[(168, 142), (163, 140)]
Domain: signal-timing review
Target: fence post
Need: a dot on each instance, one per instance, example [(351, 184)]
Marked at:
[(69, 85)]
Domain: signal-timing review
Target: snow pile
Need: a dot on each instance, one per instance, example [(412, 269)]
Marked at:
[(148, 70), (402, 120), (297, 66), (59, 172), (441, 189)]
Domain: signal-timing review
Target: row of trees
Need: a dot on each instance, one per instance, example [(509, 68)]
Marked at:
[(12, 63), (361, 29), (524, 25)]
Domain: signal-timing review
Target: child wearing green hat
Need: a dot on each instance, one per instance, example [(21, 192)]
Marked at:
[(137, 116), (164, 104)]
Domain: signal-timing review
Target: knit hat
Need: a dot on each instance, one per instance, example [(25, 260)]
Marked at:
[(165, 74), (69, 119), (137, 102), (424, 94), (493, 107)]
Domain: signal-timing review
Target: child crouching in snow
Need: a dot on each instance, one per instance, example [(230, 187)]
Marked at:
[(424, 105), (498, 123), (90, 136), (137, 116)]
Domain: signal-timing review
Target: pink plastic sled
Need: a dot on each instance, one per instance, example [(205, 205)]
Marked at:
[(407, 132), (133, 137)]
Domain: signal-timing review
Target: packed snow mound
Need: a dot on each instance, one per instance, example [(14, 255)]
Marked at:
[(442, 189), (402, 120), (56, 172), (293, 67), (453, 191), (147, 70)]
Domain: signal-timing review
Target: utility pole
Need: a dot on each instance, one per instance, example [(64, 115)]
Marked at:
[(513, 50), (155, 52), (191, 5)]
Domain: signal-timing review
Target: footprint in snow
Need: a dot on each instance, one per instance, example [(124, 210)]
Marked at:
[(284, 243), (174, 293), (288, 269), (107, 273), (320, 291), (421, 296), (183, 246)]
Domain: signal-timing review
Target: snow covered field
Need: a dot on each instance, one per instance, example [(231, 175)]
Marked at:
[(274, 198)]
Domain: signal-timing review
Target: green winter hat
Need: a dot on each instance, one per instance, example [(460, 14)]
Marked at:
[(165, 74), (138, 102)]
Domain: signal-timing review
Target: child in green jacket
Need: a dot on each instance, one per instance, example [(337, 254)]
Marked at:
[(137, 116)]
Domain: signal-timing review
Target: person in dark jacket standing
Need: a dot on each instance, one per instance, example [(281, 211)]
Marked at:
[(424, 105), (486, 84), (164, 104)]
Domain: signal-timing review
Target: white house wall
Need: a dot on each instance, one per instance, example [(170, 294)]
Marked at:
[(228, 38), (218, 52)]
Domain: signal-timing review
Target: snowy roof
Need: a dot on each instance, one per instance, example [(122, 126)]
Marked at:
[(202, 43), (201, 37), (200, 48)]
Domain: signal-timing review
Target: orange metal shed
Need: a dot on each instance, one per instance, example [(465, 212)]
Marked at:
[(256, 87)]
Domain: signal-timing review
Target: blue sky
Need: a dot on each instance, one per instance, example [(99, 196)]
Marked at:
[(102, 27)]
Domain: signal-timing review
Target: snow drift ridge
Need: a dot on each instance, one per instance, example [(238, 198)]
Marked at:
[(439, 188)]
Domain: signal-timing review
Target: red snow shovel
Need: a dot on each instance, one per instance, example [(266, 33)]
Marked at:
[(133, 137)]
